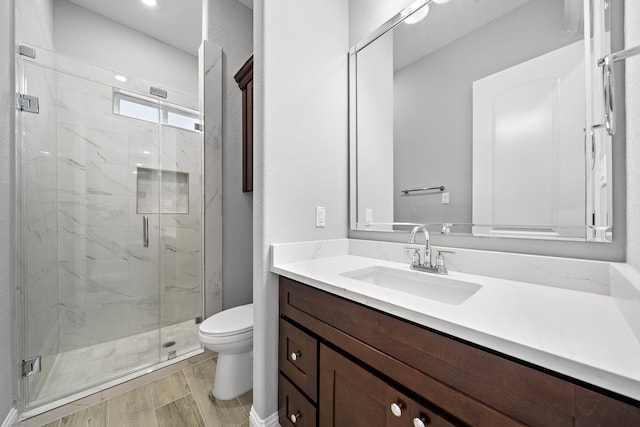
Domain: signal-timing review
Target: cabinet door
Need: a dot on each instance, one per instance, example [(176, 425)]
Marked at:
[(244, 78), (352, 396), (247, 139), (595, 410)]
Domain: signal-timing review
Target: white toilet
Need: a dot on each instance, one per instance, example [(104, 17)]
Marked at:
[(230, 334)]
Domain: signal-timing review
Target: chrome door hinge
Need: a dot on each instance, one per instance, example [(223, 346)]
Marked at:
[(28, 103), (31, 366), (27, 51), (161, 93)]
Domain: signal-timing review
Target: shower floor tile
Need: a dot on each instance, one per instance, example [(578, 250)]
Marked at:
[(84, 367)]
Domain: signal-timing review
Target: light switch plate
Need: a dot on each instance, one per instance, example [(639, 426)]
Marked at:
[(445, 198), (320, 216), (368, 216)]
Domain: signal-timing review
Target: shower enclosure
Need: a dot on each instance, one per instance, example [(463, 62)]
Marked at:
[(110, 225)]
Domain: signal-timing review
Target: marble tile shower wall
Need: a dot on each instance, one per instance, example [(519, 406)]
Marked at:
[(109, 284), (39, 216), (181, 151)]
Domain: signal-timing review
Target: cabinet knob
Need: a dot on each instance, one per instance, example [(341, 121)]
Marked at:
[(421, 421), (295, 355), (295, 417), (396, 409)]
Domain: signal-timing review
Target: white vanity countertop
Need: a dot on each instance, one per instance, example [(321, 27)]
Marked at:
[(580, 334)]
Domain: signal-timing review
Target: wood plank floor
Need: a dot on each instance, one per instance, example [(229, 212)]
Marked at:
[(180, 399)]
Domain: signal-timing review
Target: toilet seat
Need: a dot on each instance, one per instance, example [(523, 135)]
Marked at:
[(234, 340), (237, 321)]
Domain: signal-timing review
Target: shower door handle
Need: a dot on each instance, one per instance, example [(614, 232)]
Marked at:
[(609, 87), (145, 231), (609, 84)]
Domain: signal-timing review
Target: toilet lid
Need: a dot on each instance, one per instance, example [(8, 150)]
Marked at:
[(229, 322)]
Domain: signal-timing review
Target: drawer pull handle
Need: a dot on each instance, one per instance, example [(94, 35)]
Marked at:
[(420, 422), (295, 417), (396, 409), (295, 355)]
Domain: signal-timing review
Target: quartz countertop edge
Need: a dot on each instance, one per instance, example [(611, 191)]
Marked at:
[(561, 330)]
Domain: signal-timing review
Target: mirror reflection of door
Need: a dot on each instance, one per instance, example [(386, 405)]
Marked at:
[(528, 145)]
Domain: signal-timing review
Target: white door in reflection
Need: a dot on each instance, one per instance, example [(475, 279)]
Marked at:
[(528, 145)]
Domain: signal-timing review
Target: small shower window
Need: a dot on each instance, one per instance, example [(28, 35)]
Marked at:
[(150, 110), (135, 107), (138, 109), (182, 119)]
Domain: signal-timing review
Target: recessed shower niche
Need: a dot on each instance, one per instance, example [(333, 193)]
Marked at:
[(162, 191)]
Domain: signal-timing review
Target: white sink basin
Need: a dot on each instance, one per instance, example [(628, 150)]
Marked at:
[(426, 285)]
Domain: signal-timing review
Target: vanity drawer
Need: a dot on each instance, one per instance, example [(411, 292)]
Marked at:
[(298, 358), (293, 408)]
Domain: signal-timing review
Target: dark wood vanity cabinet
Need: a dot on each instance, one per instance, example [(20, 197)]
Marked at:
[(345, 364), (244, 78)]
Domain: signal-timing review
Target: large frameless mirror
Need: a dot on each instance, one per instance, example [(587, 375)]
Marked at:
[(483, 117)]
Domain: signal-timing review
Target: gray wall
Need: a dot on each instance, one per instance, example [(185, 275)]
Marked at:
[(632, 29), (433, 123), (230, 26), (7, 352), (372, 14)]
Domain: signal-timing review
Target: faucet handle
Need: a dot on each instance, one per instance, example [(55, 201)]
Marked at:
[(415, 254), (440, 261)]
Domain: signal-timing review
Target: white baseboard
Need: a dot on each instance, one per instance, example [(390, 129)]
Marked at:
[(12, 417), (256, 421)]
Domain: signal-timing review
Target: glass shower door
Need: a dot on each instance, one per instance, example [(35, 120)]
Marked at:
[(170, 199), (91, 261)]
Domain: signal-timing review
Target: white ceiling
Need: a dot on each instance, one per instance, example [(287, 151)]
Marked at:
[(444, 24), (175, 22)]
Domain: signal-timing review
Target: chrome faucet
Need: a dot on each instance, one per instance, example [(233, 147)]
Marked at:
[(423, 263), (426, 259)]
